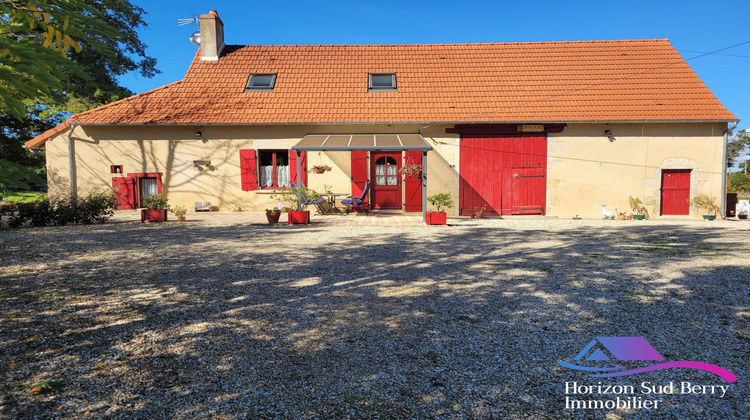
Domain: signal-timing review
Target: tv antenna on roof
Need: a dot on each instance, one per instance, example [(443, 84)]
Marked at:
[(195, 37)]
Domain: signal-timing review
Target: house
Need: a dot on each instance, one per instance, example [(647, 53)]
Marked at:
[(554, 128)]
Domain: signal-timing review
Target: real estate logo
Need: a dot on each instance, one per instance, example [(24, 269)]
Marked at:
[(633, 349)]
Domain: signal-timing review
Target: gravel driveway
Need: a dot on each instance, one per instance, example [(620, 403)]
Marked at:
[(465, 321)]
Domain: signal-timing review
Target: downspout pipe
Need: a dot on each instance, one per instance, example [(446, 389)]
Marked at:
[(72, 164), (724, 171)]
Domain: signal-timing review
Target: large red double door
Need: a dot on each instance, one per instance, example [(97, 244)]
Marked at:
[(504, 174)]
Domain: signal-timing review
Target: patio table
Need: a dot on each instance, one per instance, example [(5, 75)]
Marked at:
[(331, 197)]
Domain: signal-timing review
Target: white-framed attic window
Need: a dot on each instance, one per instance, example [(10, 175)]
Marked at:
[(381, 81), (261, 82)]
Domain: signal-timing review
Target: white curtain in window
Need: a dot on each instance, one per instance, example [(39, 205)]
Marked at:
[(282, 176), (266, 176), (148, 187), (379, 175), (392, 179)]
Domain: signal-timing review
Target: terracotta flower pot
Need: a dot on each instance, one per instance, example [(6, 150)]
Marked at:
[(273, 217), (180, 218)]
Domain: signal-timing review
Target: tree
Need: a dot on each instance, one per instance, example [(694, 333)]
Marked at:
[(59, 57), (738, 182), (735, 145)]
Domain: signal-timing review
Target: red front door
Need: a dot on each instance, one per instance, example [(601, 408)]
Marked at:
[(385, 180), (675, 192)]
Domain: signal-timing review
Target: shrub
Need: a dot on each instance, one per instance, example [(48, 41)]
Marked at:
[(155, 202), (96, 207), (440, 201)]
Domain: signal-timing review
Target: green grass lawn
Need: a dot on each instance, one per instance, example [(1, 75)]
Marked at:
[(24, 196)]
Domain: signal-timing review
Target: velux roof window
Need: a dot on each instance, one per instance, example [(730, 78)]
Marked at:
[(382, 81), (261, 81)]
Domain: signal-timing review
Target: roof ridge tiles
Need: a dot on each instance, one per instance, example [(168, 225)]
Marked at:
[(491, 43)]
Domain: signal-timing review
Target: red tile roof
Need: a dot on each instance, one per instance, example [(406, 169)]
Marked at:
[(630, 80), (39, 140)]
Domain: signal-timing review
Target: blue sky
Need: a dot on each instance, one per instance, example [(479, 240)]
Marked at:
[(693, 27)]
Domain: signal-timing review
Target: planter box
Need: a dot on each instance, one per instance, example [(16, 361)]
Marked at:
[(639, 216), (150, 215), (709, 217), (436, 218), (299, 217)]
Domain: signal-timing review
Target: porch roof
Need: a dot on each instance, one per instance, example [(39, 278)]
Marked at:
[(362, 142)]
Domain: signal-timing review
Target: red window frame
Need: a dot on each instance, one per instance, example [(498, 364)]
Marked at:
[(115, 169), (274, 159)]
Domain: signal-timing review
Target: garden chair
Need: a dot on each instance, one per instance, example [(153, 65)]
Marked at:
[(359, 201), (306, 201)]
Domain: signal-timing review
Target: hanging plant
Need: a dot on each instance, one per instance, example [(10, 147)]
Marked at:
[(319, 169), (411, 169)]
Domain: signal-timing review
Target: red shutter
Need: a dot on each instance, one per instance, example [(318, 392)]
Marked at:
[(293, 167), (248, 170), (359, 172), (124, 192), (413, 183)]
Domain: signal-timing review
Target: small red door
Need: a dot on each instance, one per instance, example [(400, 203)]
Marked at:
[(385, 180), (529, 193), (675, 192), (124, 192)]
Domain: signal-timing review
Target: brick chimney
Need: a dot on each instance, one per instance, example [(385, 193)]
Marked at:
[(212, 36)]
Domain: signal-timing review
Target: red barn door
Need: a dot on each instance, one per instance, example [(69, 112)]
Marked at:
[(675, 192), (505, 174)]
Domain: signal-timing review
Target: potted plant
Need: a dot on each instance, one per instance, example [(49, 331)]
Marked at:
[(703, 202), (742, 214), (297, 198), (440, 201), (319, 169), (639, 210), (328, 188), (180, 212), (410, 169), (273, 215), (156, 208)]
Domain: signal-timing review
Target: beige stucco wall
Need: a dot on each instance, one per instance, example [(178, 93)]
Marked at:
[(172, 150), (584, 170)]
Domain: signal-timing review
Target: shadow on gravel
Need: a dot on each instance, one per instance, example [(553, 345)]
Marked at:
[(145, 321)]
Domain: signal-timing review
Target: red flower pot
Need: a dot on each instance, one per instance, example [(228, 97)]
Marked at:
[(436, 218), (151, 215), (299, 217)]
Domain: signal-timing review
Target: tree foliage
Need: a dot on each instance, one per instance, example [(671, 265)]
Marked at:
[(59, 57), (735, 145), (738, 182)]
